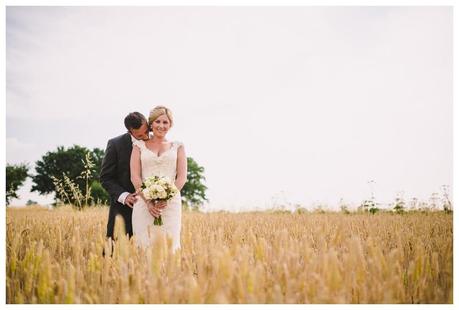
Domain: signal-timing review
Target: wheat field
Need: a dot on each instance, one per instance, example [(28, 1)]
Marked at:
[(55, 256)]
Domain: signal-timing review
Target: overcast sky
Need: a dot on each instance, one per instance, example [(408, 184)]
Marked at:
[(279, 104)]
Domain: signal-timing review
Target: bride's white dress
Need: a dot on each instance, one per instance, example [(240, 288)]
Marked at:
[(164, 165)]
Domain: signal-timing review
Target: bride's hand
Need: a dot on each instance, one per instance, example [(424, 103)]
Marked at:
[(161, 204), (154, 211)]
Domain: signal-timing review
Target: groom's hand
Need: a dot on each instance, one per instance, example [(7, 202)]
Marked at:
[(130, 200)]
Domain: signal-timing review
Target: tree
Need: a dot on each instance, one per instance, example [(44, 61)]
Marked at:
[(70, 167), (67, 174), (98, 193), (15, 177), (194, 191), (31, 202)]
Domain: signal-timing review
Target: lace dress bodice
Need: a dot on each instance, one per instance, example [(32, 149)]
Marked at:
[(164, 165)]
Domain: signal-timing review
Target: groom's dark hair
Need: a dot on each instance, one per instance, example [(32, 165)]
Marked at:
[(134, 120)]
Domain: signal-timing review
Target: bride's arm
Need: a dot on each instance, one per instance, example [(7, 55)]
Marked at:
[(182, 169), (136, 172)]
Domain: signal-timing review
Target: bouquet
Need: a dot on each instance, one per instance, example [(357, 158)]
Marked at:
[(156, 188)]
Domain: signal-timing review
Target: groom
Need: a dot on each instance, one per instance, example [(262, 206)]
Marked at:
[(115, 174)]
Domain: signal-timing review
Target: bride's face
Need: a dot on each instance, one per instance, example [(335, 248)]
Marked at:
[(161, 126)]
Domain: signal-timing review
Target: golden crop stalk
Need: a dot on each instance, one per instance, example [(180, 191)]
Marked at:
[(55, 256)]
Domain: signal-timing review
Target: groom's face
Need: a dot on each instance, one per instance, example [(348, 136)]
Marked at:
[(141, 133)]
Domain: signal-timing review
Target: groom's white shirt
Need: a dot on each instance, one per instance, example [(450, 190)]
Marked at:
[(123, 196)]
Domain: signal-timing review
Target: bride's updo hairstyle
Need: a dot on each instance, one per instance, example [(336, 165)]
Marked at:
[(157, 112)]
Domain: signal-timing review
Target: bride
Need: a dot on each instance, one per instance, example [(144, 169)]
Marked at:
[(157, 156)]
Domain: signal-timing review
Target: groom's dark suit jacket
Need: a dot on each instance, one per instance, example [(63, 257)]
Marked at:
[(115, 176)]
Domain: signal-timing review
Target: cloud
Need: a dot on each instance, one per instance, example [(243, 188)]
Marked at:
[(17, 151), (317, 99)]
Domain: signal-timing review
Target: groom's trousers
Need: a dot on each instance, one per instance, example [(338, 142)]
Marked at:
[(126, 214)]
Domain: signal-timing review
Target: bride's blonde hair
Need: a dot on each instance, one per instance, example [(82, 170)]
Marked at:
[(157, 112)]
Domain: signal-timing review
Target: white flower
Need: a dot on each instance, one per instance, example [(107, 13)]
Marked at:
[(162, 194), (158, 187), (146, 193)]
